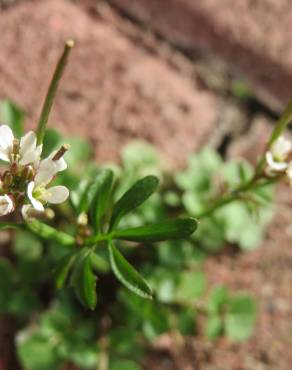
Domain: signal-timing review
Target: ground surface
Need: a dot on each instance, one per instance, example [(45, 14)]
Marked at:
[(124, 83)]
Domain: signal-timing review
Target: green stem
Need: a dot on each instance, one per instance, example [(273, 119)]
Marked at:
[(97, 238), (234, 195), (280, 126), (52, 91)]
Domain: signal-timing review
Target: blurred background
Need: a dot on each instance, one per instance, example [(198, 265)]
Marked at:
[(179, 74)]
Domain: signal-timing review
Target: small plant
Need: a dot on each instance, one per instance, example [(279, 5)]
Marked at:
[(109, 224)]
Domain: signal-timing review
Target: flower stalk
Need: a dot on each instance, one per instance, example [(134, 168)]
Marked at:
[(47, 106)]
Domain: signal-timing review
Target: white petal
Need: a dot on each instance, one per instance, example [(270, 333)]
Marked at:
[(46, 172), (36, 203), (281, 148), (273, 165), (60, 164), (56, 194), (29, 157), (27, 143), (25, 211), (4, 155), (6, 205), (6, 137)]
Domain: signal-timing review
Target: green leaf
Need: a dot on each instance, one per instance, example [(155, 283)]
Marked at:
[(218, 297), (240, 319), (100, 192), (84, 282), (63, 269), (125, 365), (12, 115), (168, 230), (186, 321), (133, 198), (38, 353), (214, 326), (191, 286), (99, 263), (127, 274), (49, 233)]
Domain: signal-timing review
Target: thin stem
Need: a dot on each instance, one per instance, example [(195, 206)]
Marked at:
[(52, 91), (280, 126), (97, 238), (234, 195)]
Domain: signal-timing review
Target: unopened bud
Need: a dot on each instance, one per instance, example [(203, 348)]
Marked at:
[(28, 173), (49, 214), (7, 179), (82, 219), (61, 152)]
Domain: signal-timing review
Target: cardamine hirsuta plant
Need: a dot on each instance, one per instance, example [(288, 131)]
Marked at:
[(27, 191)]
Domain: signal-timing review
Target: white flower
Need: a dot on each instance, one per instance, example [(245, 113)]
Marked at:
[(29, 151), (6, 205), (277, 156), (37, 190)]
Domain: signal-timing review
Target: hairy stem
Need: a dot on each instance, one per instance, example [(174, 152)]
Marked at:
[(235, 195)]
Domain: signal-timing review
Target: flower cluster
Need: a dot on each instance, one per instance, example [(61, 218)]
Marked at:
[(26, 184), (279, 158)]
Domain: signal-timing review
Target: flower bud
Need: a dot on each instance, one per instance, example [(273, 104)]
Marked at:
[(82, 219), (7, 179), (28, 173)]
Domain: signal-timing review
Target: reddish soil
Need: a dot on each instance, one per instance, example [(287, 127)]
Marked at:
[(121, 84), (113, 90), (251, 37)]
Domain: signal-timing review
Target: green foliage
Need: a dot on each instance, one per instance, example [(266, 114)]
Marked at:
[(233, 314), (80, 253), (240, 318), (13, 116), (127, 274), (240, 222)]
